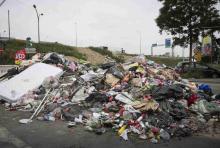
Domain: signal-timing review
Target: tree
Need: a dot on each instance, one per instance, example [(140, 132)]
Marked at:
[(186, 20)]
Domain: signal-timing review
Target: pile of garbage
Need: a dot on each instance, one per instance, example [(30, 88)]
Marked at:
[(136, 98)]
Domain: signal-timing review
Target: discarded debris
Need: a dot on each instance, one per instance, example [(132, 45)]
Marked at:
[(139, 97)]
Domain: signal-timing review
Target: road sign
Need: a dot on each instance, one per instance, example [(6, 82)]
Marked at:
[(207, 45), (19, 56), (1, 50), (167, 43)]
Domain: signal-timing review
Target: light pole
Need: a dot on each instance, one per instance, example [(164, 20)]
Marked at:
[(140, 40), (38, 21), (76, 33)]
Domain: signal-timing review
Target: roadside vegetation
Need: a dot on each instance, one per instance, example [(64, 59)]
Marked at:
[(171, 62), (7, 57)]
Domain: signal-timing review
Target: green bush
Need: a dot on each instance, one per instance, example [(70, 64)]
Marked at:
[(7, 57)]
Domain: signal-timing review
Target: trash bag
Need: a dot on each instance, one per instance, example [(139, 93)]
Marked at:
[(53, 58), (178, 111), (205, 107), (206, 89), (97, 97), (107, 65), (183, 132), (160, 119), (116, 72)]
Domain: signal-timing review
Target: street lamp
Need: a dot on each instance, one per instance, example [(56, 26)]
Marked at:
[(38, 21), (140, 40)]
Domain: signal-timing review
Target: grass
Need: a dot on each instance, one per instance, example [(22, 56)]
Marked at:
[(172, 62), (193, 74), (44, 47), (217, 66)]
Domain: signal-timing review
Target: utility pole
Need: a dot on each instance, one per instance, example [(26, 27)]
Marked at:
[(38, 21), (76, 34), (172, 48), (9, 28), (140, 43)]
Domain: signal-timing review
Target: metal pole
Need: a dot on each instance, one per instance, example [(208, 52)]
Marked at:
[(172, 48), (9, 28), (76, 33), (151, 50), (38, 20), (140, 42)]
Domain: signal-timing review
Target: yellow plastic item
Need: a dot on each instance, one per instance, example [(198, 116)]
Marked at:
[(122, 129)]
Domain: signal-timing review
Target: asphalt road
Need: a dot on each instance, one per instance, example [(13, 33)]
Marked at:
[(42, 134)]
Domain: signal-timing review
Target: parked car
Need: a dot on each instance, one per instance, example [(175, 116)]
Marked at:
[(207, 71)]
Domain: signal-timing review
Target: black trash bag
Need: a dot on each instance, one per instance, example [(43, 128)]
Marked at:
[(116, 72), (165, 92), (202, 95), (13, 71), (176, 91), (97, 97), (68, 116), (217, 97), (101, 86), (183, 132), (107, 65), (160, 119), (53, 59), (178, 111), (160, 92)]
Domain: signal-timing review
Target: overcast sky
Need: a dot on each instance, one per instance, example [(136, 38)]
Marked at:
[(113, 23)]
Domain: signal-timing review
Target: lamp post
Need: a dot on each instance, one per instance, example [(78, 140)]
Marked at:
[(76, 33), (38, 21), (140, 39)]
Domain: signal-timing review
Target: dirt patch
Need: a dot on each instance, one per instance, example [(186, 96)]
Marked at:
[(92, 56), (70, 58)]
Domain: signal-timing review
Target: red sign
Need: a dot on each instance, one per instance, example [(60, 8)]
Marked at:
[(1, 50), (20, 55)]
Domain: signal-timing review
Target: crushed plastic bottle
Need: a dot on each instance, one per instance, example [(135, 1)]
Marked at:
[(154, 140), (164, 135)]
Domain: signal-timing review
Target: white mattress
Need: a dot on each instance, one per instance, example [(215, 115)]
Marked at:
[(31, 78)]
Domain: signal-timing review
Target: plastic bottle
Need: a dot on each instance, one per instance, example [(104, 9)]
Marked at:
[(122, 129), (164, 135)]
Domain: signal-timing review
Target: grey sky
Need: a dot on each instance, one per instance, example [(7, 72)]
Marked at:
[(113, 23)]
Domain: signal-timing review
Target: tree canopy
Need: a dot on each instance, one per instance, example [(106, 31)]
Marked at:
[(186, 20)]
